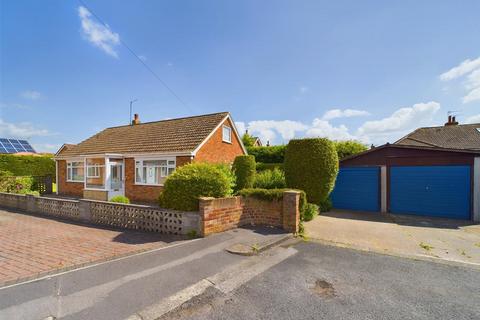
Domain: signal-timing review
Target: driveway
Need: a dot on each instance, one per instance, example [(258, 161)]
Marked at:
[(328, 282), (413, 236), (32, 246)]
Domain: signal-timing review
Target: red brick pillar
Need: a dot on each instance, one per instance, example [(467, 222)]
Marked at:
[(291, 211), (205, 207)]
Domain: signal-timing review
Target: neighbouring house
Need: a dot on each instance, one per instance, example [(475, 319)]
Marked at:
[(257, 142), (134, 160), (432, 171)]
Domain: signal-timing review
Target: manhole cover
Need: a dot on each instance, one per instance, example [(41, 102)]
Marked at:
[(324, 289)]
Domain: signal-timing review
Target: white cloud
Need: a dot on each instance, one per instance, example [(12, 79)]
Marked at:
[(267, 129), (46, 147), (31, 95), (463, 68), (323, 129), (98, 34), (473, 119), (404, 119), (347, 113), (240, 127), (22, 130), (472, 83)]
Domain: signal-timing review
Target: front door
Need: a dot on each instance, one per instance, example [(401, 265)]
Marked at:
[(116, 179)]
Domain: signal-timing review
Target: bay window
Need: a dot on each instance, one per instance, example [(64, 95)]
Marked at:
[(75, 171), (153, 171)]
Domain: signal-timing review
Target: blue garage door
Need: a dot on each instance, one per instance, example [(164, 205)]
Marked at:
[(357, 188), (441, 191)]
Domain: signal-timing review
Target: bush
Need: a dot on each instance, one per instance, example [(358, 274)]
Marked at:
[(271, 154), (311, 165), (183, 187), (310, 212), (272, 194), (12, 184), (248, 140), (28, 165), (120, 199), (270, 179), (349, 148), (244, 170), (269, 166), (326, 205)]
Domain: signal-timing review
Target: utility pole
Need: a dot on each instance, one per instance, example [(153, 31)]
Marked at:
[(131, 103)]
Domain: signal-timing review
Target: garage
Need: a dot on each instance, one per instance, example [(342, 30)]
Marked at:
[(357, 188), (412, 180), (437, 191)]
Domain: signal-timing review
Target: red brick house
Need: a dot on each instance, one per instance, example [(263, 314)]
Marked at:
[(134, 160)]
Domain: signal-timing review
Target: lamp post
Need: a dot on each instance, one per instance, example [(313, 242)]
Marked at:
[(131, 103)]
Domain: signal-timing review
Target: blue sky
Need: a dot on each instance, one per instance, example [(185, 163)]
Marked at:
[(367, 70)]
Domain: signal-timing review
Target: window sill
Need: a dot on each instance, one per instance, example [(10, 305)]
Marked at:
[(229, 142), (75, 181), (148, 185)]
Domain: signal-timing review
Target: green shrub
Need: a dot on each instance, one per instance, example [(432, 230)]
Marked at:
[(311, 165), (20, 185), (183, 187), (28, 165), (5, 173), (244, 170), (120, 199), (310, 212), (270, 179), (269, 166), (349, 148), (248, 140), (326, 205), (270, 154), (272, 194)]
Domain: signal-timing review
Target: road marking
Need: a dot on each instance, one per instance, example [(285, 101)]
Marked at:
[(225, 281)]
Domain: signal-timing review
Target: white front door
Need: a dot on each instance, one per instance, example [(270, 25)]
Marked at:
[(116, 180)]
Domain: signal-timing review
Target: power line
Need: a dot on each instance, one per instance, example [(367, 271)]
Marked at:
[(138, 58)]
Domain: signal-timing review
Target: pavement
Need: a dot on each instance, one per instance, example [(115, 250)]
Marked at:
[(135, 284), (445, 240), (328, 282), (32, 246)]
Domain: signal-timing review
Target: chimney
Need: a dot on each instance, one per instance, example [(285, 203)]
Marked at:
[(451, 121), (136, 119)]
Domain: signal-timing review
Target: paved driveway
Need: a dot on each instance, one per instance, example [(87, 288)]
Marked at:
[(32, 246), (451, 240)]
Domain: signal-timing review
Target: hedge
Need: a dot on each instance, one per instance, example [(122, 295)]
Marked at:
[(270, 179), (271, 154), (184, 186), (269, 166), (349, 148), (28, 165), (244, 169), (272, 194), (120, 199), (311, 165)]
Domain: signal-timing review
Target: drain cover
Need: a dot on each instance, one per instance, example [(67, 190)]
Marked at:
[(324, 289)]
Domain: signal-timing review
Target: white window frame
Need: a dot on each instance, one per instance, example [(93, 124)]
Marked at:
[(96, 168), (141, 161), (70, 169), (229, 134)]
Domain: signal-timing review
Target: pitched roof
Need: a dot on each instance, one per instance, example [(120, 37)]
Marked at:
[(465, 137), (173, 135)]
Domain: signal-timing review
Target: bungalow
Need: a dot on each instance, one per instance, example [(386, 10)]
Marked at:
[(134, 160)]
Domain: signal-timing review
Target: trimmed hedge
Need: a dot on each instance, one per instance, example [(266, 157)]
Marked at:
[(272, 194), (311, 165), (184, 186), (271, 154), (28, 165), (269, 166), (244, 169), (120, 199), (270, 179), (349, 148)]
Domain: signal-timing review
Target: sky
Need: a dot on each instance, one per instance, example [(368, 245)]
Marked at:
[(366, 70)]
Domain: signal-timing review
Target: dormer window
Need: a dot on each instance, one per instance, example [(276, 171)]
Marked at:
[(227, 134)]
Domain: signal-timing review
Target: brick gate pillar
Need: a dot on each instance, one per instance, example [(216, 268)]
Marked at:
[(291, 211)]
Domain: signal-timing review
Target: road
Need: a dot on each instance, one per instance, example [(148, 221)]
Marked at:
[(325, 282)]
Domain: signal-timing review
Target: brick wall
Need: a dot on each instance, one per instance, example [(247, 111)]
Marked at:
[(67, 188), (221, 214), (215, 150)]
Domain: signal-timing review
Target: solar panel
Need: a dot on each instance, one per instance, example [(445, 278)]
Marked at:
[(14, 146)]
